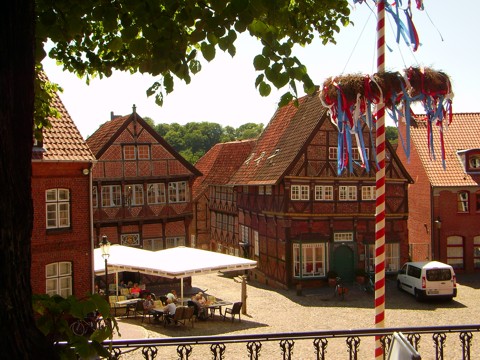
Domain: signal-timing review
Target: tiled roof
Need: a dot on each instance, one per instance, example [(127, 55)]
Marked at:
[(220, 163), (281, 142), (104, 133), (63, 141), (462, 134)]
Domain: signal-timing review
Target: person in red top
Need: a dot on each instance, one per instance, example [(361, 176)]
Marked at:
[(135, 290)]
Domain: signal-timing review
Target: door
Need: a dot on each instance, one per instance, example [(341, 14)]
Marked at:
[(343, 262)]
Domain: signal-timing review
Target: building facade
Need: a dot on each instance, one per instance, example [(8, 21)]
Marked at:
[(62, 259), (141, 193), (445, 197)]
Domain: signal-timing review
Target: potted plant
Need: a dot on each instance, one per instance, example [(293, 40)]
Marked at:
[(360, 275), (332, 278)]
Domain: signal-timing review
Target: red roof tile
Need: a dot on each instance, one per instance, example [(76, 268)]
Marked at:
[(281, 142), (63, 141), (462, 134), (225, 156)]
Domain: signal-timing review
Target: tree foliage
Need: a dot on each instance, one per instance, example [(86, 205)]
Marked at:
[(166, 38), (194, 139)]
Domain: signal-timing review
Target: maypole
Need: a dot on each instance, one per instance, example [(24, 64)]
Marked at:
[(380, 188)]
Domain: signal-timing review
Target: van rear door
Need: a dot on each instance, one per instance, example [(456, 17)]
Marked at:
[(439, 281)]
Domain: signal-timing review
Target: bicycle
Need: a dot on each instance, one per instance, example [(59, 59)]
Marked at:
[(88, 325), (340, 289), (370, 284)]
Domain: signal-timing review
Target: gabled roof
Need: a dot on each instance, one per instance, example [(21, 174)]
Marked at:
[(108, 132), (281, 142), (220, 163), (62, 141), (462, 134)]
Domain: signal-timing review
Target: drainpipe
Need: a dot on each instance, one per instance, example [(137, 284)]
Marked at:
[(92, 241)]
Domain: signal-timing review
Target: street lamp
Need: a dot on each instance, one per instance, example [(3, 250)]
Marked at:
[(244, 246), (105, 247)]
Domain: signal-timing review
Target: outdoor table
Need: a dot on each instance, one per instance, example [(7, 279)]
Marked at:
[(127, 302), (157, 314), (217, 305)]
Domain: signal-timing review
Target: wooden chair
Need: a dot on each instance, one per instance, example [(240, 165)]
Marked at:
[(234, 310), (146, 314), (183, 314)]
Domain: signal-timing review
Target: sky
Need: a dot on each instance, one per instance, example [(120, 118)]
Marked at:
[(224, 91)]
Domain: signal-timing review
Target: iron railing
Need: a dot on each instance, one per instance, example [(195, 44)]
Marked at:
[(448, 342)]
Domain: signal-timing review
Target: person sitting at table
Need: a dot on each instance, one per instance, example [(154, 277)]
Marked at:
[(123, 285), (172, 295), (149, 306), (201, 299), (135, 290), (169, 311)]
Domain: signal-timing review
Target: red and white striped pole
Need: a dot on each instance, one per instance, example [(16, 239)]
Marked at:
[(380, 189)]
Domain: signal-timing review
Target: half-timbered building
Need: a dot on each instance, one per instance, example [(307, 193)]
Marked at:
[(141, 186), (299, 217)]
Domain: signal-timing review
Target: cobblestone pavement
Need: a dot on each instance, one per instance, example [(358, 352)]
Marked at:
[(279, 311)]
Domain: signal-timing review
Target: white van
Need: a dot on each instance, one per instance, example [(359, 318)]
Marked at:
[(427, 279)]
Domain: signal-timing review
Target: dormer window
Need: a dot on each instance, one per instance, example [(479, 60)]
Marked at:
[(470, 159)]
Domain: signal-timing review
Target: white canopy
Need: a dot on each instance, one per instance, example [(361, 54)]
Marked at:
[(178, 262)]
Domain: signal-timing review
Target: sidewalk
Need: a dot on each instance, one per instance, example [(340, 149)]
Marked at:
[(129, 330)]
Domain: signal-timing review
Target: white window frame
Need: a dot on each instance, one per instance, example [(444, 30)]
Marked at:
[(261, 190), (111, 196), (313, 254), (135, 194), (347, 193), (174, 241), (356, 154), (343, 237), (143, 152), (129, 152), (369, 193), (323, 192), (456, 252), (156, 193), (392, 257), (256, 243), (300, 192), (268, 189), (94, 197), (153, 244), (59, 280), (177, 192), (463, 202), (332, 153), (57, 207)]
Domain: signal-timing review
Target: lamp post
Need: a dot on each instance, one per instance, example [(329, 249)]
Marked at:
[(105, 246), (438, 223), (244, 246)]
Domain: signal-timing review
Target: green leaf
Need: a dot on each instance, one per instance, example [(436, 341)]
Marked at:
[(115, 44), (195, 66), (259, 79), (264, 89), (285, 99), (138, 46), (168, 83), (208, 51), (260, 62)]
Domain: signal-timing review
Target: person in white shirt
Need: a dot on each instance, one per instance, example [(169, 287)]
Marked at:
[(169, 310)]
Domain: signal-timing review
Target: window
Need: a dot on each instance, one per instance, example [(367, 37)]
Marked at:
[(369, 193), (332, 153), (175, 241), (177, 192), (477, 201), (143, 152), (300, 192), (347, 193), (356, 154), (134, 194), (474, 162), (392, 257), (261, 190), (323, 192), (455, 252), (156, 193), (111, 196), (268, 189), (256, 244), (94, 197), (153, 244), (343, 236), (462, 202), (244, 234), (309, 260), (476, 252), (57, 208), (59, 279), (129, 152), (130, 239)]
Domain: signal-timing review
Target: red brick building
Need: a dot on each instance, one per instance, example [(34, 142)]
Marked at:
[(297, 216), (142, 187), (61, 238), (210, 195), (445, 202)]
